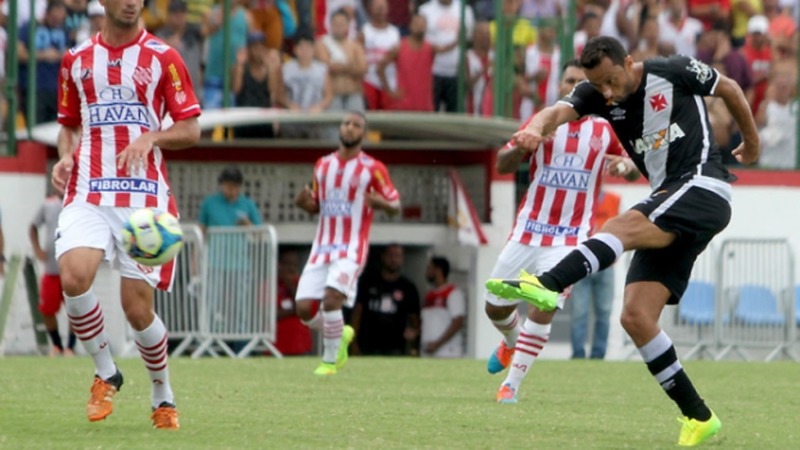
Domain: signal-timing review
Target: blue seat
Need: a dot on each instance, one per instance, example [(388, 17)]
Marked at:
[(757, 305), (697, 304), (797, 303)]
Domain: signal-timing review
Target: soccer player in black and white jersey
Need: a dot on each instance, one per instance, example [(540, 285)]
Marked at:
[(657, 110)]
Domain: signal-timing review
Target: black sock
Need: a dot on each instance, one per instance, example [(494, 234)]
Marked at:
[(71, 339), (576, 265), (55, 338), (678, 386)]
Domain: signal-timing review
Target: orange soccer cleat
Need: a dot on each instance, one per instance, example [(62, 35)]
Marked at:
[(165, 417), (101, 401)]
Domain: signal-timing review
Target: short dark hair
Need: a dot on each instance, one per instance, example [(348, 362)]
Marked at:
[(341, 12), (602, 47), (231, 174), (571, 63), (441, 263)]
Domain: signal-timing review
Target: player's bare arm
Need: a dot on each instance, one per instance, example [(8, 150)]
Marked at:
[(509, 158), (620, 166), (377, 201), (66, 143), (305, 201), (182, 134), (543, 124), (729, 91)]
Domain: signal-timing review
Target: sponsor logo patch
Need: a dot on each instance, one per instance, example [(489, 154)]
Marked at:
[(550, 230), (131, 185)]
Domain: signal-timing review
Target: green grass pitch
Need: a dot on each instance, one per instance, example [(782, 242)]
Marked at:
[(384, 403)]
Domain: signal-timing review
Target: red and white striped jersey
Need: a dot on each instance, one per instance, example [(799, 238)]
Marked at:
[(116, 94), (565, 173), (340, 188)]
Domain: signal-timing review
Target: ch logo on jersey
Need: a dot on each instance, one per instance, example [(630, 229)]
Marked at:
[(143, 76), (658, 102), (118, 105), (659, 140)]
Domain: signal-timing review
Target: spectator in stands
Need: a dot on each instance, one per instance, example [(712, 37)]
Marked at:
[(186, 38), (589, 28), (595, 291), (257, 81), (155, 14), (714, 48), (522, 32), (306, 86), (778, 118), (197, 10), (267, 20), (24, 10), (51, 43), (540, 83), (50, 294), (379, 37), (649, 42), (413, 60), (758, 53), (97, 17), (349, 7), (292, 338), (678, 31), (480, 59), (710, 12), (444, 312), (400, 14), (386, 314), (444, 18), (540, 9), (77, 18), (346, 62), (782, 31), (240, 22), (741, 13)]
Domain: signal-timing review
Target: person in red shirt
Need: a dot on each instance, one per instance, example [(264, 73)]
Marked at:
[(414, 61), (293, 338), (710, 11), (758, 54)]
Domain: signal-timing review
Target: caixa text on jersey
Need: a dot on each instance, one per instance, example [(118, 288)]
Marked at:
[(655, 141)]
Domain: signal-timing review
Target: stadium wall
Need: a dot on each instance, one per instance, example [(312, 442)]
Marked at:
[(765, 205)]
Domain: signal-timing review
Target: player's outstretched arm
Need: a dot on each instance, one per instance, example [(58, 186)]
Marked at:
[(376, 200), (543, 124), (510, 157), (729, 91)]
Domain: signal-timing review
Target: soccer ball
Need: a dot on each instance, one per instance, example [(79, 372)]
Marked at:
[(152, 237)]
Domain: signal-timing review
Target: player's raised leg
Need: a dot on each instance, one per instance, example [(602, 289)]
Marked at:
[(78, 267), (643, 304), (150, 335)]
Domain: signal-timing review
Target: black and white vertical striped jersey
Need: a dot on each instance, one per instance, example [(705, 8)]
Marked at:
[(663, 124)]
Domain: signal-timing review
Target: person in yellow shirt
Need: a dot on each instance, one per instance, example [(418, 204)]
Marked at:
[(523, 33), (741, 12)]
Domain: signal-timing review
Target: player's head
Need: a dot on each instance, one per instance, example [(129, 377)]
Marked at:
[(352, 129), (230, 182), (609, 68), (437, 267), (571, 75), (123, 13), (392, 259)]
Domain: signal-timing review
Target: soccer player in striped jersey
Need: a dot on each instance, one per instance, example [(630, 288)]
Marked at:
[(348, 186), (553, 218), (114, 91), (657, 109)]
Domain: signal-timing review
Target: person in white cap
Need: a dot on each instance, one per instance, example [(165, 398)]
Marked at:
[(97, 17), (758, 54)]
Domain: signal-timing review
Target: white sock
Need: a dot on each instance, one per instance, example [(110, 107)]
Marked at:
[(315, 323), (509, 328), (86, 320), (530, 342), (152, 344), (333, 324)]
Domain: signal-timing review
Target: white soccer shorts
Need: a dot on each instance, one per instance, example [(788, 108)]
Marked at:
[(535, 260), (341, 275), (85, 225)]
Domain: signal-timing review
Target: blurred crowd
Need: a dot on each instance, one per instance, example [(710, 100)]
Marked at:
[(317, 55)]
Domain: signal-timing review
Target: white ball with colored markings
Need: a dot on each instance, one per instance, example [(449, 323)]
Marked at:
[(152, 237)]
